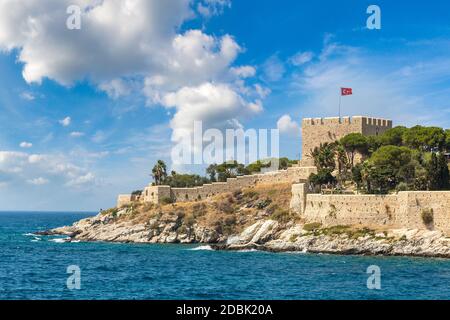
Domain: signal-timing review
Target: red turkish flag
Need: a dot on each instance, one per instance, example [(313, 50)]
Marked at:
[(346, 91)]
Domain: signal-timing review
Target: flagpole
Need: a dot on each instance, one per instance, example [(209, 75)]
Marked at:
[(340, 97)]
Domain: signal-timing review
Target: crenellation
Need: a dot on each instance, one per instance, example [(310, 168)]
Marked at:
[(317, 131)]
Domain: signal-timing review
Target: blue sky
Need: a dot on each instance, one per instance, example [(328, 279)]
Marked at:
[(85, 113)]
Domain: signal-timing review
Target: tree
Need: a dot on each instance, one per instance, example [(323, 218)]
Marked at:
[(322, 177), (227, 170), (438, 173), (353, 143), (357, 176), (324, 156), (342, 160), (159, 172), (392, 156), (447, 140), (425, 138), (212, 172), (185, 180), (393, 137), (387, 167)]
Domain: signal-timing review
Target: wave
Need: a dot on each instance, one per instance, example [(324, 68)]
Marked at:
[(248, 250), (60, 240), (29, 234), (208, 248)]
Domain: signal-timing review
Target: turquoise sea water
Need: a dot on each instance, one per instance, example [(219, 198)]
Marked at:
[(35, 268)]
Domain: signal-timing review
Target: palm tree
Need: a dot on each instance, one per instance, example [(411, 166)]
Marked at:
[(324, 156), (159, 172)]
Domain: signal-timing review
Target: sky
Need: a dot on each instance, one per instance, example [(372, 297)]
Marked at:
[(85, 113)]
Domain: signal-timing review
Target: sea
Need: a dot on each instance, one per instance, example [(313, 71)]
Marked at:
[(42, 267)]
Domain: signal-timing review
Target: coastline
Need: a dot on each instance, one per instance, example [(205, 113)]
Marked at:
[(269, 235)]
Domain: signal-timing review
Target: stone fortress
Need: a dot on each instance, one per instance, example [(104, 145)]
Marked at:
[(398, 210), (320, 130)]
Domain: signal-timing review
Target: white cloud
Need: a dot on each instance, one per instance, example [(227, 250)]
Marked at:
[(88, 178), (262, 91), (17, 168), (300, 58), (65, 122), (38, 181), (76, 134), (404, 91), (209, 8), (137, 44), (213, 104), (121, 37), (115, 88), (287, 126), (26, 145), (273, 69), (244, 71), (27, 96)]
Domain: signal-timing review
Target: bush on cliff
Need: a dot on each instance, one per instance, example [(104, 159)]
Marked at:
[(427, 216)]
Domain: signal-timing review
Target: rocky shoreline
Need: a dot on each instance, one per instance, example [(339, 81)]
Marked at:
[(264, 234)]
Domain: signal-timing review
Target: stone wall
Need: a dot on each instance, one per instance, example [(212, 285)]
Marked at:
[(127, 199), (402, 210), (320, 130), (413, 203), (157, 194), (291, 175)]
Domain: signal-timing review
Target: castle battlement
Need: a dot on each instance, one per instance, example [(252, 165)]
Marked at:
[(316, 131), (354, 120)]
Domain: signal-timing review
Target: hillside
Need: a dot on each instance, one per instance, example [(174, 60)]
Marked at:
[(254, 218)]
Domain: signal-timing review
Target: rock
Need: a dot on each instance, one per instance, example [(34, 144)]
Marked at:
[(263, 234)]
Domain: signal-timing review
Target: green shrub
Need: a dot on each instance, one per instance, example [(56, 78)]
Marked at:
[(312, 226), (402, 186), (281, 216), (166, 200), (427, 216), (336, 230), (261, 204)]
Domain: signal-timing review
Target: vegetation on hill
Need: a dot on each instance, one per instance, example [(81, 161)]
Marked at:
[(214, 173), (400, 159), (227, 213)]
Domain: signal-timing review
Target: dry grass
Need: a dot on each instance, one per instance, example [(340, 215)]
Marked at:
[(228, 213)]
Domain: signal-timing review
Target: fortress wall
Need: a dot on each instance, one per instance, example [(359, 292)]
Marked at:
[(155, 194), (320, 130), (402, 210), (123, 200), (332, 210), (412, 204)]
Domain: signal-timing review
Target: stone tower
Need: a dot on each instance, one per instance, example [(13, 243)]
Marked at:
[(319, 130)]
